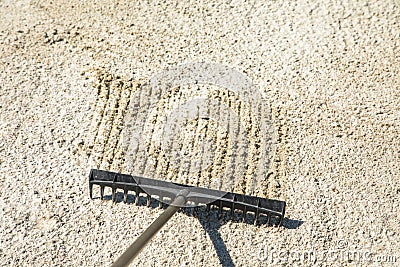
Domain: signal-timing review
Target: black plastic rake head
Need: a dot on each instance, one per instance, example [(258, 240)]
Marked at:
[(197, 196), (178, 196)]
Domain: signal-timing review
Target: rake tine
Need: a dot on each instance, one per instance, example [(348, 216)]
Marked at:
[(233, 208), (113, 194), (160, 203), (137, 196), (244, 214), (280, 220), (90, 185), (113, 189), (102, 192), (125, 195), (148, 200), (220, 209)]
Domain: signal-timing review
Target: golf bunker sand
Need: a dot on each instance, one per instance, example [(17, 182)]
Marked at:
[(328, 71)]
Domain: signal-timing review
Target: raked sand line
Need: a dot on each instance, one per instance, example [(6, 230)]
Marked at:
[(185, 157)]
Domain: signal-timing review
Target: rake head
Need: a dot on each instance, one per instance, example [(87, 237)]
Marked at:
[(166, 192)]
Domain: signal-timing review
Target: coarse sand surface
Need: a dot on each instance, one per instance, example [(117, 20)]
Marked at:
[(328, 70)]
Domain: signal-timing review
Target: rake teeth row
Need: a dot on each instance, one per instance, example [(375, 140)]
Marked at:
[(167, 191)]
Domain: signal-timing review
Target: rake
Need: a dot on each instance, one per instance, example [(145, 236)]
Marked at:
[(178, 196)]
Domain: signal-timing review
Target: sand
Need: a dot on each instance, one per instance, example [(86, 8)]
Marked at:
[(328, 71)]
